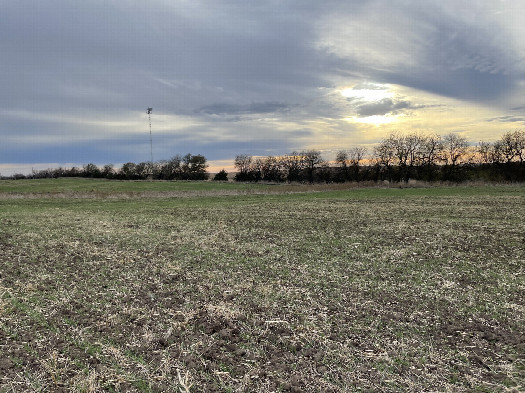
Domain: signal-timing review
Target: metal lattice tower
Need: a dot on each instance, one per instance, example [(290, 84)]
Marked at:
[(149, 110)]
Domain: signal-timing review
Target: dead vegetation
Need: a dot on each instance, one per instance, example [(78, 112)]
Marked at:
[(264, 294)]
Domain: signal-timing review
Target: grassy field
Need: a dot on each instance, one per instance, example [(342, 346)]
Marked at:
[(213, 287), (101, 187)]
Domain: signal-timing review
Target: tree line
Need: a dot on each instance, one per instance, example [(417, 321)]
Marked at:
[(187, 167), (396, 158)]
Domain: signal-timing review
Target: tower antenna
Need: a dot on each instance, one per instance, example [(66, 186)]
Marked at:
[(149, 110)]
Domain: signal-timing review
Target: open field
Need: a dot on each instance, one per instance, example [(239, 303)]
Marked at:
[(107, 188), (154, 287)]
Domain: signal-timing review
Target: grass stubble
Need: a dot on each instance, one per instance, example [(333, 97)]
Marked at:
[(262, 293)]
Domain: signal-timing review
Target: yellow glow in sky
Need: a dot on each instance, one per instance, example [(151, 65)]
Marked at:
[(367, 94), (375, 94), (376, 120)]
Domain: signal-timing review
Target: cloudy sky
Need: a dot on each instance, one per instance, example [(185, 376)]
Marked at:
[(226, 77)]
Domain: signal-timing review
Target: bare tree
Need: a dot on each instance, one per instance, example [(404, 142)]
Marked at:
[(256, 168), (403, 151), (243, 164), (355, 156), (293, 164), (512, 146), (429, 155), (507, 146), (484, 151), (385, 157), (272, 169), (454, 147), (342, 158), (519, 136), (313, 160), (342, 162)]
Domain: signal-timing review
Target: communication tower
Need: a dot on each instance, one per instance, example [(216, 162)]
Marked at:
[(149, 111)]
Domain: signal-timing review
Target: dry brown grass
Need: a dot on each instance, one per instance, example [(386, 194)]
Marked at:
[(321, 292)]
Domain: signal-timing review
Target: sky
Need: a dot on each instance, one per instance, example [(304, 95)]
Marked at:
[(229, 77)]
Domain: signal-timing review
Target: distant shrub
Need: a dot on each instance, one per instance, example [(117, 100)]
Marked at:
[(221, 176)]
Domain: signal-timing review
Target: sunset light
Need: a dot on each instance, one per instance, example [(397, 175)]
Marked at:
[(373, 120), (367, 94)]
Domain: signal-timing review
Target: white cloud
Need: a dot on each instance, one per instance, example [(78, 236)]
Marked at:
[(460, 49)]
